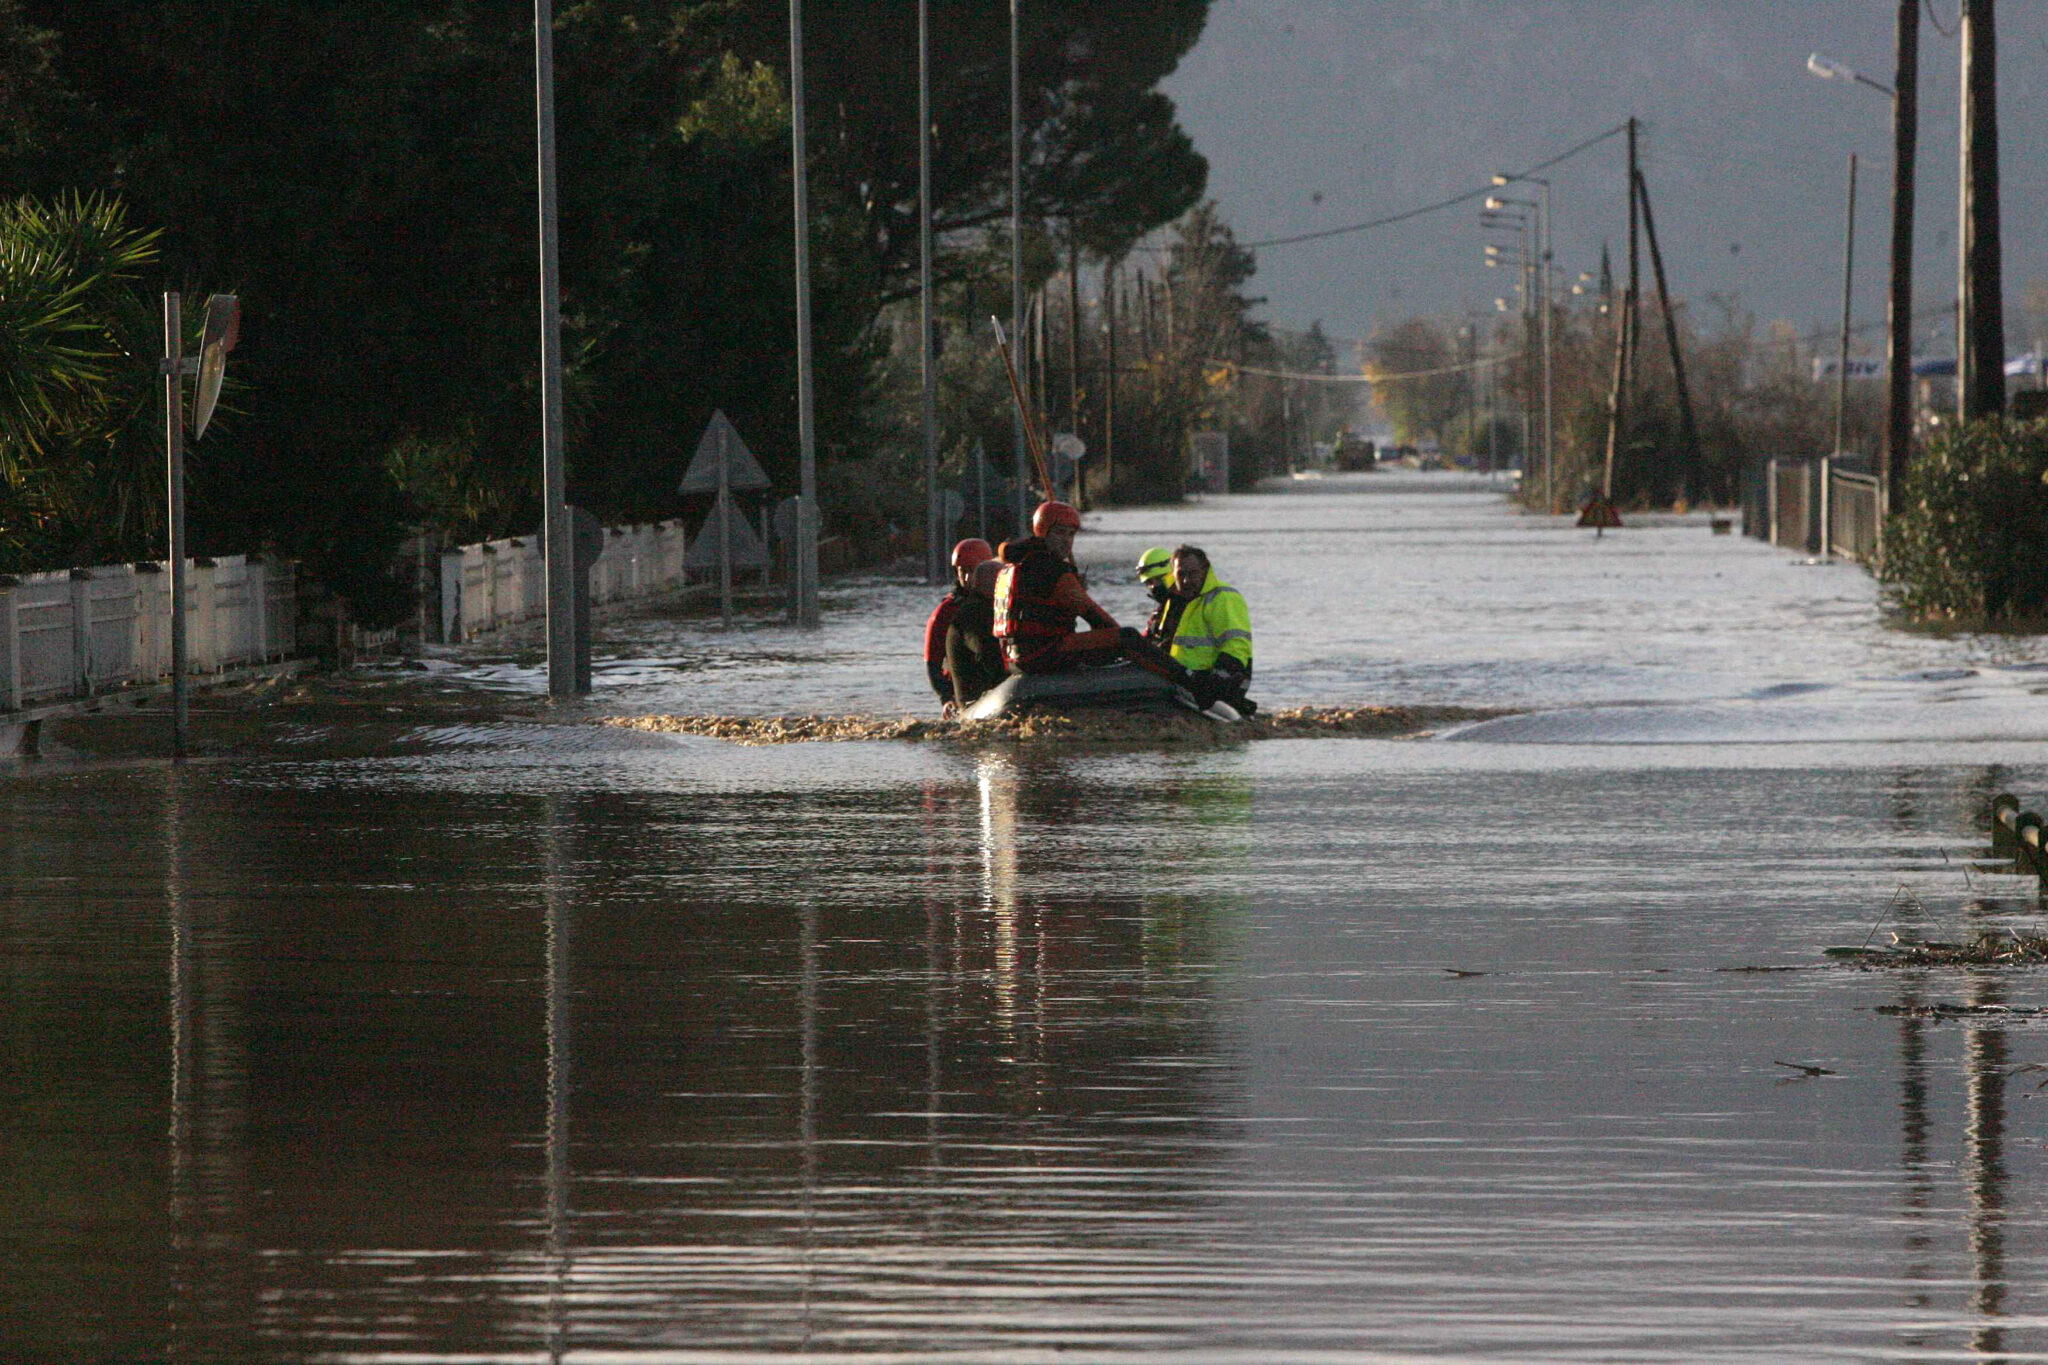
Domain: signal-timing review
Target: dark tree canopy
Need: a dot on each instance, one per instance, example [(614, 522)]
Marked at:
[(362, 173)]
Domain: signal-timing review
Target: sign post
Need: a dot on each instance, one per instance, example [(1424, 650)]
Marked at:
[(223, 328), (174, 460), (723, 465)]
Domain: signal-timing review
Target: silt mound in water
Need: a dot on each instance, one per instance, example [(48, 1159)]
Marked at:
[(1096, 729)]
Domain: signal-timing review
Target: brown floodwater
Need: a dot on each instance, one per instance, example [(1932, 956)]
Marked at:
[(576, 1043)]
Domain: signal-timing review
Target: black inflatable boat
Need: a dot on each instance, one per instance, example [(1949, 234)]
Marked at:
[(1119, 687)]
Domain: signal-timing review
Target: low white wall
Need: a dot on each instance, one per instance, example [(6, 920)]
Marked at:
[(489, 586), (81, 632)]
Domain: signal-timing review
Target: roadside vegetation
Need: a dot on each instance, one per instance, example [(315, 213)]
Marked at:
[(364, 178), (1970, 546)]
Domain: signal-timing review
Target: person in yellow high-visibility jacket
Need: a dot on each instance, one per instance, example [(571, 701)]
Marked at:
[(1213, 638)]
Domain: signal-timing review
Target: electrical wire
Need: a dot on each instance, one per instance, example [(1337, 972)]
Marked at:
[(1314, 378), (1406, 214), (1945, 32)]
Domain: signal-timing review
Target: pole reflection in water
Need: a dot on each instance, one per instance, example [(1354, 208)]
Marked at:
[(1914, 1126), (559, 926), (1984, 1065), (211, 1303), (807, 1108)]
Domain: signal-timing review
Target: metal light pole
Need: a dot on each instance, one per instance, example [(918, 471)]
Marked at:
[(1543, 251), (805, 604), (557, 535), (1017, 262), (1535, 306), (1848, 279), (1898, 442), (934, 532)]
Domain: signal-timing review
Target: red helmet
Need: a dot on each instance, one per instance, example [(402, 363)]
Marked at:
[(1051, 514), (971, 552)]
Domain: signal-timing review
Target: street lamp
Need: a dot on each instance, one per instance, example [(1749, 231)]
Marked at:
[(1899, 344), (1543, 243), (1828, 69)]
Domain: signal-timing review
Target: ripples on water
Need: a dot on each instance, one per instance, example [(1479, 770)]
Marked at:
[(525, 1043)]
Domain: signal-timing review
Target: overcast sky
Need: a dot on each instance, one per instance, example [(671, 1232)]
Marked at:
[(1319, 113)]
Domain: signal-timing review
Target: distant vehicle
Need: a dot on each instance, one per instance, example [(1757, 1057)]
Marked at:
[(1355, 453)]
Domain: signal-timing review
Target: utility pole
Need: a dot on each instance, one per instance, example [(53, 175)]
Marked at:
[(557, 532), (1848, 280), (934, 532), (1631, 337), (1898, 444), (1980, 317), (1689, 427), (805, 601)]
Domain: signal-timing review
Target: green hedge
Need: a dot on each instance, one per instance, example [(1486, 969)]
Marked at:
[(1970, 542)]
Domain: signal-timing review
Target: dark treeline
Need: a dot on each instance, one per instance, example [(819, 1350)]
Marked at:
[(363, 175)]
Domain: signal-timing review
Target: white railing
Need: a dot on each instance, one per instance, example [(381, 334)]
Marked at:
[(499, 582), (82, 632)]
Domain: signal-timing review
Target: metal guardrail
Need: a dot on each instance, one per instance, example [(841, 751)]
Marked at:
[(84, 632)]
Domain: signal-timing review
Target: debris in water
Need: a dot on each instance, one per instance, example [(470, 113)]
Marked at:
[(2003, 948), (1091, 729), (1943, 1010), (1805, 1068)]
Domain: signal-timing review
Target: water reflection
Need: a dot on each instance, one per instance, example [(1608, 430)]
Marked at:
[(207, 1210), (1021, 1055)]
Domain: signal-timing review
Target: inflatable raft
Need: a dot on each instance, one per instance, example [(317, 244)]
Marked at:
[(1119, 687)]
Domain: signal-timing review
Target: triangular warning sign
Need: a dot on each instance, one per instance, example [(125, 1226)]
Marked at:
[(747, 550), (1599, 513), (722, 440)]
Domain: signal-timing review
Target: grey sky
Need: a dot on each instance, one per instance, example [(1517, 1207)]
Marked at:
[(1380, 105)]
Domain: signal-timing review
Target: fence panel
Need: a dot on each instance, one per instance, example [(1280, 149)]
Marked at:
[(1853, 515), (86, 631), (497, 583), (1790, 515)]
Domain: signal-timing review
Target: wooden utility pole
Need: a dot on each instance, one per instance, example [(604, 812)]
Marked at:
[(1980, 315), (1685, 417), (1898, 425), (1631, 334)]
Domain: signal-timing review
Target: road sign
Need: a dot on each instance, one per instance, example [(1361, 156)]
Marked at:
[(1828, 366), (721, 443), (747, 550), (223, 330)]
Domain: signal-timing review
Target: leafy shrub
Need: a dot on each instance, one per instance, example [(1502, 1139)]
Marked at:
[(1970, 543)]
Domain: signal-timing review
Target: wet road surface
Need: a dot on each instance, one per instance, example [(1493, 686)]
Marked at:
[(534, 1042)]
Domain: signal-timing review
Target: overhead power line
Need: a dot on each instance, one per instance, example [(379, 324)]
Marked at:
[(1315, 378), (1406, 214)]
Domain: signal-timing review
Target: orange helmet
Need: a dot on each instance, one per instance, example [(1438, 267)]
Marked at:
[(1051, 514), (971, 552)]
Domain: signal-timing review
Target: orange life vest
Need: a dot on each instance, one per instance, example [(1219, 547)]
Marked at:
[(1024, 609)]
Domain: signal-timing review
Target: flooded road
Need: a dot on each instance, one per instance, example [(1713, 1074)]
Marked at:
[(540, 1042)]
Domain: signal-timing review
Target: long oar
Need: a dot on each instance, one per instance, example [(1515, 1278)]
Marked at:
[(1023, 413)]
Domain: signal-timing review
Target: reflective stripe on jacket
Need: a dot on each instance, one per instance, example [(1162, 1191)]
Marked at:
[(1216, 621)]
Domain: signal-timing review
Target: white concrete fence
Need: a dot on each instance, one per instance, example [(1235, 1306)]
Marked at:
[(83, 632), (489, 586)]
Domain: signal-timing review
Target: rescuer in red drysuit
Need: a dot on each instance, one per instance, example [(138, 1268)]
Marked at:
[(961, 657), (1038, 596)]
